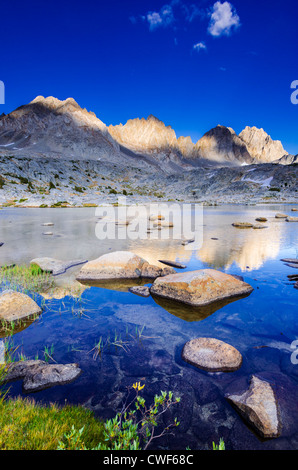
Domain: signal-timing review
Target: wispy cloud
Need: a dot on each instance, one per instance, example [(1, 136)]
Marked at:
[(163, 18), (199, 46), (224, 19), (170, 15)]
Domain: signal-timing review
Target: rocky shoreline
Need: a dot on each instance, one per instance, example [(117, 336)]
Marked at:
[(42, 182)]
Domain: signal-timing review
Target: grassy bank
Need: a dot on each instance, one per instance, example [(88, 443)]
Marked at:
[(26, 425)]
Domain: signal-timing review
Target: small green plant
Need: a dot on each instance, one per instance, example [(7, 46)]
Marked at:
[(133, 428), (48, 353), (220, 446), (78, 189)]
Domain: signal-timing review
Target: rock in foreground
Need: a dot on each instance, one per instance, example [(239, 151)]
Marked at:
[(200, 287), (212, 355), (38, 375), (16, 306), (119, 265), (259, 407)]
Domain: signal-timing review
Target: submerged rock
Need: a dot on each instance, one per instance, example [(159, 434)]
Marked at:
[(258, 406), (290, 260), (212, 355), (242, 224), (174, 264), (38, 375), (56, 266), (186, 242), (143, 291), (200, 287), (259, 226), (16, 306)]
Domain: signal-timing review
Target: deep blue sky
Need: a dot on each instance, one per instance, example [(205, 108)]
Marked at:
[(127, 59)]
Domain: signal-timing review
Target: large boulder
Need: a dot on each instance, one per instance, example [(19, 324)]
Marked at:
[(119, 265), (212, 355), (16, 306), (200, 287), (258, 406)]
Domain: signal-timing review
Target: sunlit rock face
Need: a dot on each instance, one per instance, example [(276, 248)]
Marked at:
[(52, 128), (144, 135), (222, 144), (261, 146)]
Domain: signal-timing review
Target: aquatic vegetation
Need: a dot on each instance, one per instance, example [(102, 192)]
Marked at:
[(26, 278), (48, 353), (118, 342), (220, 446)]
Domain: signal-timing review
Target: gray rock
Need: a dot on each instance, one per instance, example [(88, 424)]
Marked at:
[(38, 375), (212, 355), (290, 260), (258, 406), (259, 227), (56, 266), (174, 264), (143, 291)]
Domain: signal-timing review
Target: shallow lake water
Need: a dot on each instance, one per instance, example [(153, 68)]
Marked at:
[(143, 338)]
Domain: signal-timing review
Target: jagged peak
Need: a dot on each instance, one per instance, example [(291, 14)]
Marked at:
[(51, 101)]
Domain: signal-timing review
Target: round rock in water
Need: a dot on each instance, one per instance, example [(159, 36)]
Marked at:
[(16, 306), (212, 355)]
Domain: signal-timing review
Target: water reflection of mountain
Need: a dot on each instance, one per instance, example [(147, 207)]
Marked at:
[(248, 248), (74, 237)]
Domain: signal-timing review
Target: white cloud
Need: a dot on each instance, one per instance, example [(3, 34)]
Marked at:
[(200, 46), (223, 20), (165, 17), (154, 20)]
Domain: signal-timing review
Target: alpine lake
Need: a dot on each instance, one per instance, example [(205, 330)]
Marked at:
[(141, 338)]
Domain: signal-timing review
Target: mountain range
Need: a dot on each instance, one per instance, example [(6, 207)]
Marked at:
[(50, 128)]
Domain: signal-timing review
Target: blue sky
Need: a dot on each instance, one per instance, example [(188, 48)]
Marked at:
[(193, 64)]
